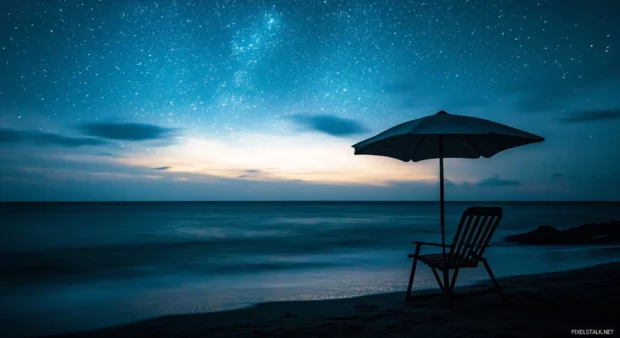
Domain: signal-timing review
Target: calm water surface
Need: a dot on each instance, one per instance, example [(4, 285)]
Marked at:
[(67, 267)]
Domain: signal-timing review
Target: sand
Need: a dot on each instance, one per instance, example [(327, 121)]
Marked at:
[(546, 305)]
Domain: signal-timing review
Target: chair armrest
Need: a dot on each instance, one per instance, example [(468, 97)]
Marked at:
[(431, 244)]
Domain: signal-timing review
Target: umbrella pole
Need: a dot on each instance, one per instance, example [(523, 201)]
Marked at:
[(441, 198)]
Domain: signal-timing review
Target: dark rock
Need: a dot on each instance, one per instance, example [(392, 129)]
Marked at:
[(591, 233)]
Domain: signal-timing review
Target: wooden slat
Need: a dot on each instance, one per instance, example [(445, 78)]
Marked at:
[(481, 229), (473, 234)]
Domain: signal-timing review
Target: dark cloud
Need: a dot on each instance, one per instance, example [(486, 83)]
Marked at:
[(328, 124), (42, 138), (55, 139), (161, 168), (592, 115), (10, 136), (496, 181), (448, 183), (125, 131), (109, 155), (250, 173)]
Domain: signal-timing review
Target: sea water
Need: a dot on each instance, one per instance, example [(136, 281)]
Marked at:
[(78, 266)]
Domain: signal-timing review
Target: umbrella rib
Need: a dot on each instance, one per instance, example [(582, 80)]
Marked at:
[(415, 150), (473, 145)]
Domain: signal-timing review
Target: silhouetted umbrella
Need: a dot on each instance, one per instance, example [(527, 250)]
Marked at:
[(444, 135)]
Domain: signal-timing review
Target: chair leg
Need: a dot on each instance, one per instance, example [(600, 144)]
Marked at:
[(441, 286), (413, 268), (497, 287), (446, 282), (454, 274)]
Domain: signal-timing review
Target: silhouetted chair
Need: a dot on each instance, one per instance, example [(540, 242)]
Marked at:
[(471, 239)]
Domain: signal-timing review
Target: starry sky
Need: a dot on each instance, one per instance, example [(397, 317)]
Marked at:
[(262, 100)]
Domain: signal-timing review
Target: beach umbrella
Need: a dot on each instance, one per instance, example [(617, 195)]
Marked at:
[(444, 135)]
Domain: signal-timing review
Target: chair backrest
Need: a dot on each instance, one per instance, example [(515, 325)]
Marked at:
[(473, 234)]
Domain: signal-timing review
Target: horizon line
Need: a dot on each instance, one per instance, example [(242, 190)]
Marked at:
[(320, 201)]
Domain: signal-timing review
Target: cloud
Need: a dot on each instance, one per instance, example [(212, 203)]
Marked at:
[(161, 168), (495, 181), (125, 131), (42, 138), (80, 175), (10, 136), (250, 173), (593, 115), (322, 159), (55, 139), (109, 155), (328, 124)]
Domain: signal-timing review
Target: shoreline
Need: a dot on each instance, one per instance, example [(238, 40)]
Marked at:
[(538, 305), (491, 201)]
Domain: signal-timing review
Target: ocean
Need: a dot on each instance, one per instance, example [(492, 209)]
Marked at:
[(79, 266)]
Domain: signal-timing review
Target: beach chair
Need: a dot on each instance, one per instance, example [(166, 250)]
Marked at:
[(471, 239)]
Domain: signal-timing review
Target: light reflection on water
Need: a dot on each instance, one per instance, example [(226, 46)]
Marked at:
[(72, 269), (107, 303)]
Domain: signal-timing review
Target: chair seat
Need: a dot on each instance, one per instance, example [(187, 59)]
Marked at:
[(451, 262), (471, 238)]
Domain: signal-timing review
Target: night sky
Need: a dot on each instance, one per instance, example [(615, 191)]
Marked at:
[(262, 100)]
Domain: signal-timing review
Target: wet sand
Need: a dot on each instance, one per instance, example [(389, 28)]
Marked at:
[(545, 305)]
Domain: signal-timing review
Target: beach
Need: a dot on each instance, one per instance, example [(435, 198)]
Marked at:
[(543, 305), (77, 267), (278, 168)]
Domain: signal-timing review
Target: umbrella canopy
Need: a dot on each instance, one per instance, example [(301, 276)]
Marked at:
[(462, 137), (444, 135)]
